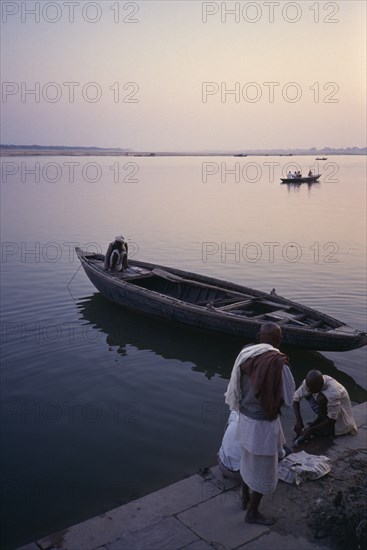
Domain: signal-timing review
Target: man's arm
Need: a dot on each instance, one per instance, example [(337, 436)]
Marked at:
[(288, 386), (107, 257), (298, 427), (298, 396), (324, 424), (333, 411)]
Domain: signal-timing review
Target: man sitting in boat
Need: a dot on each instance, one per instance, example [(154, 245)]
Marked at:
[(310, 174), (116, 255), (330, 401), (290, 175)]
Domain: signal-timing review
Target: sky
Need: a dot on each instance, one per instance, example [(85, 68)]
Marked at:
[(184, 75)]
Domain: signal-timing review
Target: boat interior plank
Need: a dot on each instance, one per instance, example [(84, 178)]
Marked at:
[(235, 305)]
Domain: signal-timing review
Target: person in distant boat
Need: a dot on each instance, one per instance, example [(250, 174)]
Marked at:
[(290, 175), (310, 174), (116, 255), (261, 383), (295, 175), (330, 401)]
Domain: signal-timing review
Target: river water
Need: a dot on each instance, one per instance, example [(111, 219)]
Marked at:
[(99, 406)]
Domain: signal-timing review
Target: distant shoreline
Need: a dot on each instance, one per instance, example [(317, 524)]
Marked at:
[(28, 151)]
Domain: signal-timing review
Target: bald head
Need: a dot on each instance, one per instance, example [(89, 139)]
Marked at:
[(270, 333), (314, 381)]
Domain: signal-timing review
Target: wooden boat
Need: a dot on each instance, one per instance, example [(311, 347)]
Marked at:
[(121, 328), (321, 158), (302, 179), (217, 306)]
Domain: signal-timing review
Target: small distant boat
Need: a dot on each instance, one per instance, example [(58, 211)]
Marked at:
[(240, 155), (302, 179), (323, 158), (216, 306)]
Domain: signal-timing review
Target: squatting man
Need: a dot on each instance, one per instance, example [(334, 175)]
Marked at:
[(330, 401), (116, 255)]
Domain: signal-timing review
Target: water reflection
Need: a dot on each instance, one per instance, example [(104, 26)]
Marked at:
[(296, 186), (209, 355), (124, 329)]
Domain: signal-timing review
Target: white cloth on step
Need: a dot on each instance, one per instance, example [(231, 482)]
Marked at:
[(297, 467)]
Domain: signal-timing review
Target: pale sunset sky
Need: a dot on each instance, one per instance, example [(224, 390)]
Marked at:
[(184, 75)]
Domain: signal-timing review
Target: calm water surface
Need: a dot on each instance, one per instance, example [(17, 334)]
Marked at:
[(99, 406)]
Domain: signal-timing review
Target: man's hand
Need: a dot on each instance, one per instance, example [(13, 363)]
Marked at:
[(298, 427), (307, 432), (302, 436)]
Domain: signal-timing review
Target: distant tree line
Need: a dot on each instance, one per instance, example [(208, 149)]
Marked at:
[(61, 147)]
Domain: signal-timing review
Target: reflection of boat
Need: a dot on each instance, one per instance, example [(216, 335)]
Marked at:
[(304, 179), (216, 306), (321, 158), (126, 331)]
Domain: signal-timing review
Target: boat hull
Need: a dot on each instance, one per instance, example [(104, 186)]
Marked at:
[(157, 305), (306, 179)]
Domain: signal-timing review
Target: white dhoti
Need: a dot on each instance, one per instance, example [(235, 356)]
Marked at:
[(261, 441), (259, 472), (117, 260)]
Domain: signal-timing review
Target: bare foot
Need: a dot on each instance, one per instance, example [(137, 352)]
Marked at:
[(260, 519)]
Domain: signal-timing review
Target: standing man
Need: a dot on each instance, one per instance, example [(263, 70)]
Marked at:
[(261, 383), (330, 401)]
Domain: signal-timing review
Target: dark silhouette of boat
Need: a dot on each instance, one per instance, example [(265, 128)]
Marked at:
[(302, 179), (216, 306)]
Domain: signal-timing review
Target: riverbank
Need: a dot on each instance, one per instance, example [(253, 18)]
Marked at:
[(45, 151), (203, 512)]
